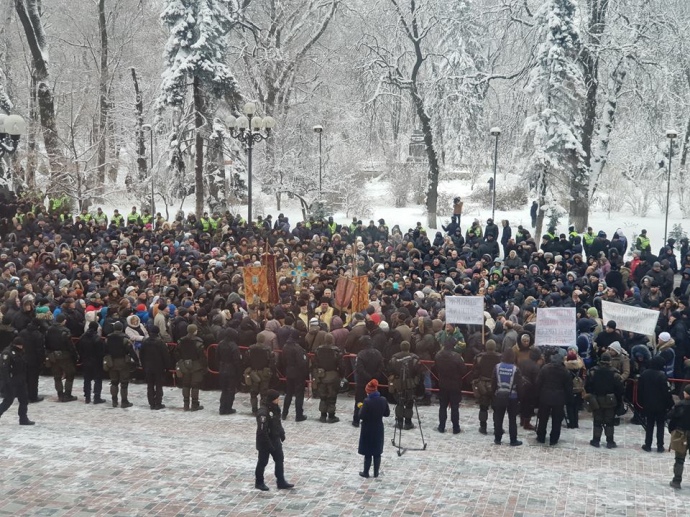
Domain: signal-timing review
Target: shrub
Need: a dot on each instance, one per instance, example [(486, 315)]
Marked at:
[(506, 198)]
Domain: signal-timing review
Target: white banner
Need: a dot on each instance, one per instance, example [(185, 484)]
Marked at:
[(465, 309), (555, 326), (633, 319)]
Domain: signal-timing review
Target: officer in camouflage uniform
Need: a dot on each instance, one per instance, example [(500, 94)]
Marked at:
[(326, 378), (62, 356), (484, 366), (191, 365), (119, 349), (406, 371), (260, 365)]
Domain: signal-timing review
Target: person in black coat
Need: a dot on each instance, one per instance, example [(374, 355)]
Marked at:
[(35, 352), (654, 395), (91, 351), (229, 368), (450, 369), (155, 360), (555, 388), (13, 380), (371, 413), (270, 436), (296, 367)]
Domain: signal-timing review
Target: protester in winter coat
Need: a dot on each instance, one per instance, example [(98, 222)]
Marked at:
[(554, 385), (654, 395), (371, 411)]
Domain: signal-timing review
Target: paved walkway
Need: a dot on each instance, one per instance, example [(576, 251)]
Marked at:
[(82, 460)]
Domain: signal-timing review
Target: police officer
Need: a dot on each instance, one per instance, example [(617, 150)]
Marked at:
[(192, 364), (13, 380), (326, 378), (504, 384), (270, 436), (296, 367), (62, 356), (91, 351), (679, 425), (155, 360), (368, 365), (450, 369), (229, 368), (484, 367), (119, 349), (260, 365), (604, 388), (406, 370)]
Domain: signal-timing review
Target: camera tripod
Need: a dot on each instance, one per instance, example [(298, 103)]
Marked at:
[(398, 430)]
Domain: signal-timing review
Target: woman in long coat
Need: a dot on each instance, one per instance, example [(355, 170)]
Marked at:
[(371, 413)]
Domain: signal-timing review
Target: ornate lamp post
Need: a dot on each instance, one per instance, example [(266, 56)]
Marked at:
[(250, 129)]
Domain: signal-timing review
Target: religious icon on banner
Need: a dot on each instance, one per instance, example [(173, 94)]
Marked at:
[(298, 273), (255, 284)]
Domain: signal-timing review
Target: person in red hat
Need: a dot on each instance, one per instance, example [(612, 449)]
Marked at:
[(371, 413)]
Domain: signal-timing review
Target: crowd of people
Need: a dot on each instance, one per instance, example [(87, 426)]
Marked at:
[(110, 293)]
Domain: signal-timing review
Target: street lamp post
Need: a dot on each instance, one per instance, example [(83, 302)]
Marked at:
[(147, 127), (249, 129), (671, 135), (495, 131), (12, 127), (319, 130)]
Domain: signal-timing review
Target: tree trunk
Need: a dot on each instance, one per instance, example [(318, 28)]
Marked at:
[(30, 18), (32, 126), (102, 97), (432, 187), (139, 128), (589, 59), (199, 147)]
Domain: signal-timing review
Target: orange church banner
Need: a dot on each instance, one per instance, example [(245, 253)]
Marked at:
[(360, 299), (256, 284)]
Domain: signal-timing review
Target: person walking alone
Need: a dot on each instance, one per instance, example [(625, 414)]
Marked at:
[(371, 413), (270, 436)]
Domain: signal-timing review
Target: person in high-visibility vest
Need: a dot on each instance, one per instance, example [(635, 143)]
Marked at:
[(146, 217), (205, 223), (588, 239), (100, 217), (118, 219), (215, 221), (133, 217), (642, 243)]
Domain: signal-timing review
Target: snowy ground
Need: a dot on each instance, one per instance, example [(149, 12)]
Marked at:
[(96, 460)]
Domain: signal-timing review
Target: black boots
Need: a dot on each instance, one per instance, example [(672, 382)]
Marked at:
[(125, 391), (195, 400), (284, 485), (332, 419), (677, 475), (261, 486), (113, 394)]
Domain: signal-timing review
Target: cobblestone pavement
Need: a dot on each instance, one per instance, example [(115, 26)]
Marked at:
[(84, 460)]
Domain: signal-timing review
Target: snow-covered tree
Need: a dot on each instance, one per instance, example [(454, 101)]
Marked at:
[(556, 85), (195, 54)]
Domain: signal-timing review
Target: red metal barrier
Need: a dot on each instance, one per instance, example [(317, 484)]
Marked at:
[(634, 382)]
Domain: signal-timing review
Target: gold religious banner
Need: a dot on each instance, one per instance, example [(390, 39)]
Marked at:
[(255, 284), (360, 299)]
